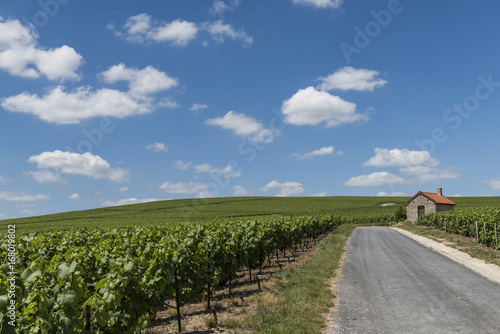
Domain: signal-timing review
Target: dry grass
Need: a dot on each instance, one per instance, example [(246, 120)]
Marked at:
[(464, 244)]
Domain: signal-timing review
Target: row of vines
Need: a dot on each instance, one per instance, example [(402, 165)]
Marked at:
[(483, 224), (126, 274)]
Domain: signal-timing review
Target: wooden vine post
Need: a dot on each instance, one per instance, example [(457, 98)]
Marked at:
[(177, 299)]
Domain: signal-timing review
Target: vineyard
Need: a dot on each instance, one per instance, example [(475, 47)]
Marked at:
[(208, 209), (95, 269), (481, 224), (125, 274)]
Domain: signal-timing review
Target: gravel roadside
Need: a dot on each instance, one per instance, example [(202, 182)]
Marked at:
[(488, 270)]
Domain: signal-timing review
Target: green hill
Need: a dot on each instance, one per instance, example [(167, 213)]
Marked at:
[(196, 210)]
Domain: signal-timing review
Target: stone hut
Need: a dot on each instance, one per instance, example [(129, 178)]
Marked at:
[(424, 202)]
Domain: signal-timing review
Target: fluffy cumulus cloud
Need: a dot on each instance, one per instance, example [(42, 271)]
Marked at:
[(20, 54), (322, 151), (244, 126), (284, 188), (221, 31), (22, 197), (43, 176), (71, 107), (400, 157), (375, 179), (142, 28), (157, 147), (349, 78), (311, 107), (141, 82), (75, 196), (132, 200), (414, 167), (79, 164), (190, 188), (320, 3)]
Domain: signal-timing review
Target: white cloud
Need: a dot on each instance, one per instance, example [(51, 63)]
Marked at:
[(207, 168), (206, 194), (394, 194), (177, 32), (123, 189), (311, 107), (58, 106), (375, 179), (21, 197), (418, 174), (20, 54), (244, 126), (347, 78), (425, 174), (183, 187), (141, 82), (29, 211), (138, 24), (157, 147), (415, 166), (132, 200), (198, 106), (219, 7), (4, 179), (320, 3), (45, 176), (321, 194), (182, 165), (80, 164), (72, 107), (456, 195), (241, 191), (142, 28), (3, 216), (75, 196), (285, 188), (221, 31), (322, 151), (493, 184), (396, 157), (168, 102)]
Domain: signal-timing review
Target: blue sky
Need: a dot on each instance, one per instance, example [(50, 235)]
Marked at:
[(106, 102)]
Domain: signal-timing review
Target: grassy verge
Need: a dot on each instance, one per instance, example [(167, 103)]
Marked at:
[(304, 293), (464, 244)]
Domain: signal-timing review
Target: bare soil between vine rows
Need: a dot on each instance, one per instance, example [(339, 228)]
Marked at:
[(230, 312)]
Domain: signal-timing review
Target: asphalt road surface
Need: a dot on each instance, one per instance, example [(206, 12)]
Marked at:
[(392, 284)]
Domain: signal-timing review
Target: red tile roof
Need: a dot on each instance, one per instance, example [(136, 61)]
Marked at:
[(436, 198)]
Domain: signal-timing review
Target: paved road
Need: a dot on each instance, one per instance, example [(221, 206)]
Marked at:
[(392, 284)]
